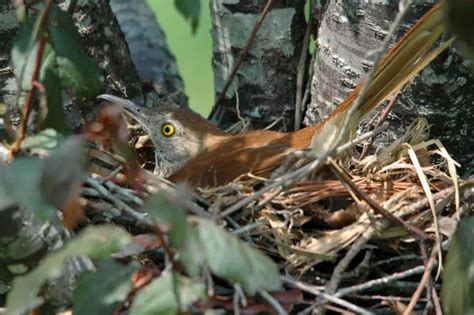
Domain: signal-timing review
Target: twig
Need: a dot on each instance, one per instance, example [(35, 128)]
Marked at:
[(424, 280), (380, 281), (249, 227), (273, 302), (299, 173), (43, 103), (167, 247), (380, 122), (301, 69), (357, 246), (317, 291), (21, 134), (242, 55), (414, 231), (342, 265)]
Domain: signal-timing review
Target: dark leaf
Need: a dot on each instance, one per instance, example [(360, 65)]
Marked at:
[(76, 70), (24, 59), (460, 19), (94, 241), (457, 291), (161, 296), (49, 77), (190, 9), (103, 291)]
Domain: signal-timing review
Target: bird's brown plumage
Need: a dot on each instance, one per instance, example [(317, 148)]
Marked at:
[(259, 152), (203, 155)]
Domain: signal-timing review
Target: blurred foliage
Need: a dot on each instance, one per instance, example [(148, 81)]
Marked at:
[(112, 283), (94, 241), (193, 52), (460, 18), (64, 64), (205, 244), (36, 183), (457, 291), (190, 10), (169, 294)]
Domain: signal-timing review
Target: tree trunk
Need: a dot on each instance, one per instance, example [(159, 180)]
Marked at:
[(266, 80), (442, 92), (148, 48)]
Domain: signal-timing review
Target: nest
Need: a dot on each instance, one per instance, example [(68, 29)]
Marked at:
[(358, 232)]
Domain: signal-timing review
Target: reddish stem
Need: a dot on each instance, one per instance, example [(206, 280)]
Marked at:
[(15, 147)]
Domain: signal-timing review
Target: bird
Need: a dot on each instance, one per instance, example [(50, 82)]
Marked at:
[(191, 149)]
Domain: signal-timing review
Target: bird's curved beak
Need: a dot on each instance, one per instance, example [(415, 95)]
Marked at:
[(135, 111)]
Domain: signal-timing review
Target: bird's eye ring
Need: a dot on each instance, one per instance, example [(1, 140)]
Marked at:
[(167, 130)]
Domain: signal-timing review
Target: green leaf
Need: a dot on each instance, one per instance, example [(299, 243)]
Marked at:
[(161, 295), (24, 53), (457, 290), (94, 241), (59, 187), (23, 56), (43, 142), (460, 20), (20, 183), (182, 236), (76, 69), (189, 9), (41, 185), (103, 291), (49, 77), (231, 259)]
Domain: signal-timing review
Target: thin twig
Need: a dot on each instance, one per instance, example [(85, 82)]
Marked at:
[(412, 230), (160, 234), (380, 122), (299, 173), (301, 70), (317, 291), (273, 302), (424, 280), (242, 55), (380, 281)]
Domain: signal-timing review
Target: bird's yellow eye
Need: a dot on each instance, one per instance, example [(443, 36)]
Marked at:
[(167, 130)]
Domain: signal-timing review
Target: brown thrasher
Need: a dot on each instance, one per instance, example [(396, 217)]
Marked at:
[(189, 148)]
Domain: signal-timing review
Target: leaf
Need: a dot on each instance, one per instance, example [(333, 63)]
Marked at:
[(76, 69), (457, 290), (23, 61), (49, 77), (23, 56), (43, 142), (231, 259), (160, 296), (182, 236), (94, 241), (190, 10), (103, 291), (459, 16), (55, 185), (20, 183), (41, 185)]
